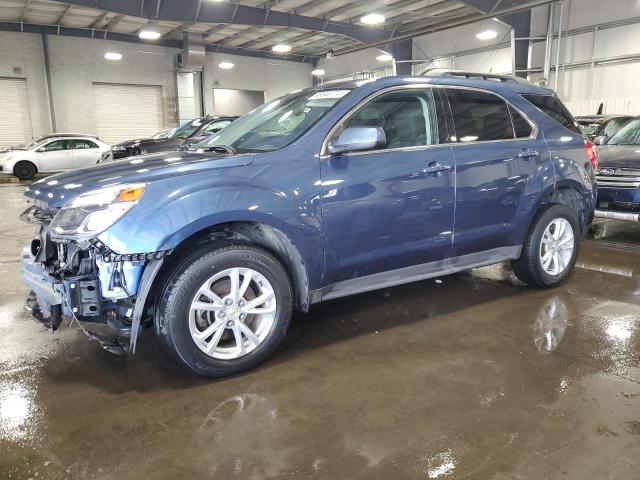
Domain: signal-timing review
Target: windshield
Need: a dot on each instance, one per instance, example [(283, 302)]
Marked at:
[(277, 123), (186, 130), (627, 135), (163, 133), (612, 126)]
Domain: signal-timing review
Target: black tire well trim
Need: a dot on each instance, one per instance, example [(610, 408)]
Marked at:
[(261, 235), (569, 197)]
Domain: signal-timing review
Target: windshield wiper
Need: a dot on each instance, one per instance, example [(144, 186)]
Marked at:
[(220, 148)]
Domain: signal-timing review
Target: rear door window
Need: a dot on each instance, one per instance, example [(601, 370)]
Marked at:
[(552, 106), (479, 116), (83, 144)]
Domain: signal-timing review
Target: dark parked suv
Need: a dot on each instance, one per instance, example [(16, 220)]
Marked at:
[(324, 193)]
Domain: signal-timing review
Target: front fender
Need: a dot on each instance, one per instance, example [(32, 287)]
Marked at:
[(173, 210)]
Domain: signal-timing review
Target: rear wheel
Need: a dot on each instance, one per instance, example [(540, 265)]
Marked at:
[(24, 170), (551, 248), (225, 311)]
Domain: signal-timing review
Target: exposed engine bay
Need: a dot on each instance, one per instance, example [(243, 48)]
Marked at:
[(86, 282)]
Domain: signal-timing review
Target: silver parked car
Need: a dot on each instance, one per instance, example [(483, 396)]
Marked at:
[(52, 154)]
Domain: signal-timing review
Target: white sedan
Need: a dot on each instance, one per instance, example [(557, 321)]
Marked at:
[(53, 154)]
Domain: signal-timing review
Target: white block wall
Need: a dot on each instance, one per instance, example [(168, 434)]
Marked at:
[(76, 63)]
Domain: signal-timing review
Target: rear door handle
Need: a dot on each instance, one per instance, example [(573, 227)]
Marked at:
[(436, 168), (528, 153)]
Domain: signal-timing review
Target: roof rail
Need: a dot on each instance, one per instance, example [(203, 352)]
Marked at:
[(443, 72)]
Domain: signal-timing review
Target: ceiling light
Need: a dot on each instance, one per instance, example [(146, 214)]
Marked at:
[(149, 34), (113, 56), (226, 65), (318, 72), (373, 19), (487, 35), (385, 57), (281, 48)]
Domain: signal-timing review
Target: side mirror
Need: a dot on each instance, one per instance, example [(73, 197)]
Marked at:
[(599, 140), (355, 139), (42, 149)]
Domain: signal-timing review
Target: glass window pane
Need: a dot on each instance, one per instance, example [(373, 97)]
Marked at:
[(479, 116), (553, 107), (57, 145), (522, 128), (408, 118)]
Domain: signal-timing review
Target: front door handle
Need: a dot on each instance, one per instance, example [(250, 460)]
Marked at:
[(528, 153), (436, 168)]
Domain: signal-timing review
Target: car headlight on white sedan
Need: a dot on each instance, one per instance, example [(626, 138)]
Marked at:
[(91, 213)]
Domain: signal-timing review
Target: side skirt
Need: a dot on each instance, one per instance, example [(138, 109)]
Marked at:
[(415, 273)]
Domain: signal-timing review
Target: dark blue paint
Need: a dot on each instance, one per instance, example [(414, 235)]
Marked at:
[(349, 215)]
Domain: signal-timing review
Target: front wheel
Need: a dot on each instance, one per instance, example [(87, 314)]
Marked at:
[(551, 248), (25, 170), (226, 310)]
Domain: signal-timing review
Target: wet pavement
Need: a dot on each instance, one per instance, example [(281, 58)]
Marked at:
[(468, 376)]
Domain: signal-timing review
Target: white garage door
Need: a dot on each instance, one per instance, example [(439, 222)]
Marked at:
[(15, 119), (125, 112)]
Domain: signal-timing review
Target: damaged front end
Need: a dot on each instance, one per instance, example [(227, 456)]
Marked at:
[(84, 280)]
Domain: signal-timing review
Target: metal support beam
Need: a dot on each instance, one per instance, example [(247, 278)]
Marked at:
[(402, 51), (99, 20), (226, 12), (27, 4), (458, 22), (132, 38), (63, 14), (113, 22), (47, 74)]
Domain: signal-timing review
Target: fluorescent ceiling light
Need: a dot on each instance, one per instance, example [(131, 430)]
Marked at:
[(385, 57), (113, 56), (318, 72), (487, 35), (149, 34), (226, 65), (281, 48), (373, 19)]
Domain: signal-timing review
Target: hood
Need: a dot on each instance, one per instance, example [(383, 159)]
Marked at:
[(57, 190), (142, 142), (623, 156)]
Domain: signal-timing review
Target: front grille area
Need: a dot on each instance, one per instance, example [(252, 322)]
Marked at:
[(618, 177)]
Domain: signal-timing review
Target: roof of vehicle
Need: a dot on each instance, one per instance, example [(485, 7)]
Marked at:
[(69, 135), (447, 77)]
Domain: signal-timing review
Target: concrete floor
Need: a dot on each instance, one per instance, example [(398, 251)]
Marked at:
[(470, 376)]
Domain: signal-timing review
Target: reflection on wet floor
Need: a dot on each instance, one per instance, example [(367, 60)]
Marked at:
[(474, 376)]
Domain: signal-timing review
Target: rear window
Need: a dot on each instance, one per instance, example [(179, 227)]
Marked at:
[(552, 106), (479, 116)]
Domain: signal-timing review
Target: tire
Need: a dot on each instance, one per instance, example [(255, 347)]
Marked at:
[(25, 170), (529, 267), (178, 322)]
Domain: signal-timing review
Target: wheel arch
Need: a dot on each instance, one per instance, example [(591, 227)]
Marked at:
[(572, 195), (263, 235), (26, 160)]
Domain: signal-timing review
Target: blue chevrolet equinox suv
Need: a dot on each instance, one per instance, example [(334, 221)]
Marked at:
[(327, 192)]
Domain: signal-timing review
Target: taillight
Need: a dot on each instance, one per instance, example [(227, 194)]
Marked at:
[(591, 154)]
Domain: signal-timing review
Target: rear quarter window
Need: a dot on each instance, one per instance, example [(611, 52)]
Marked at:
[(553, 107)]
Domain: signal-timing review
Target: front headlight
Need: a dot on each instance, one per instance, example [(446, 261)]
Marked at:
[(91, 213)]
